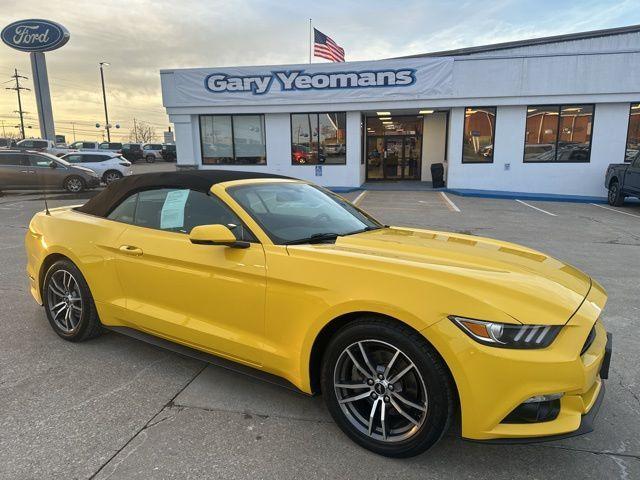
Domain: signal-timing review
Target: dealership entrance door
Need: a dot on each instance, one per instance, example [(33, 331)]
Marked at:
[(394, 147)]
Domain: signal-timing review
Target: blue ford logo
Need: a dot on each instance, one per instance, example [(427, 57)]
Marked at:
[(35, 35)]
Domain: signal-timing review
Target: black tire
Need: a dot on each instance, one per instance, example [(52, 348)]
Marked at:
[(615, 196), (88, 323), (111, 176), (150, 158), (74, 184), (439, 395)]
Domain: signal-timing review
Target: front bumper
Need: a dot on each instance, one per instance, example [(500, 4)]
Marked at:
[(492, 382), (93, 182)]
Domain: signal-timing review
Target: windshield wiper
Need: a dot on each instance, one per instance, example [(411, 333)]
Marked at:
[(315, 238)]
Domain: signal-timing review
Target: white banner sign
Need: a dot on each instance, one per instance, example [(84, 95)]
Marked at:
[(335, 82)]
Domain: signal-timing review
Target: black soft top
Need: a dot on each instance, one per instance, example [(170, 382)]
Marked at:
[(198, 180)]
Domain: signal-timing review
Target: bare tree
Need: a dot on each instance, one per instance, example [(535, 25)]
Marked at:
[(142, 132)]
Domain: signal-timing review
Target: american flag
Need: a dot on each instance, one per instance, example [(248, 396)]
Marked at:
[(325, 47)]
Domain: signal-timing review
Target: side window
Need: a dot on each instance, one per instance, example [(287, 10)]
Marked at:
[(26, 144), (39, 161), (125, 211), (73, 158), (95, 158), (180, 210), (88, 145), (11, 159), (40, 144)]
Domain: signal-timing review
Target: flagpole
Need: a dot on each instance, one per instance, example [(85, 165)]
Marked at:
[(310, 44)]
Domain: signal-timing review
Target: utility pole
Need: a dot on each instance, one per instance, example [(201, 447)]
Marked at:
[(135, 129), (73, 126), (17, 88), (104, 99), (4, 134)]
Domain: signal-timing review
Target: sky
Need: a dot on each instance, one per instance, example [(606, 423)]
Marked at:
[(140, 37)]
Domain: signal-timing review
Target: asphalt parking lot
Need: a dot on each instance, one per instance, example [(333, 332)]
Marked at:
[(114, 407)]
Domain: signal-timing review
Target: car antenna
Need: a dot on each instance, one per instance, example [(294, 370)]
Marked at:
[(46, 205), (44, 194)]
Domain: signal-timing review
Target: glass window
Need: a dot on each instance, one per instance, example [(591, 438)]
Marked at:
[(73, 158), (14, 159), (39, 161), (479, 133), (319, 138), (293, 212), (233, 140), (559, 133), (633, 134), (125, 211), (178, 210)]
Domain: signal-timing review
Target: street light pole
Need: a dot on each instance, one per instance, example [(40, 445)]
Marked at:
[(104, 99)]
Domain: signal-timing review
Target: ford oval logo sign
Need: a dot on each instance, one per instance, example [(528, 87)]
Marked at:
[(35, 35)]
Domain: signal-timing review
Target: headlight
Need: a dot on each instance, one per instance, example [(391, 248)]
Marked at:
[(506, 335)]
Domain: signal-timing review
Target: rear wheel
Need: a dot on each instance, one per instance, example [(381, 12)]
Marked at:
[(74, 184), (111, 176), (387, 388), (150, 158), (615, 196), (69, 304)]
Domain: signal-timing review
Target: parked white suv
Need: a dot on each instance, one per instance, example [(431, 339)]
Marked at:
[(108, 166), (152, 152)]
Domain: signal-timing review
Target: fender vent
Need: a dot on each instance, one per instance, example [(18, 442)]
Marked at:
[(590, 338)]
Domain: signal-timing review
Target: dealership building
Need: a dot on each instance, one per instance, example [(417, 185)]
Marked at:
[(536, 117)]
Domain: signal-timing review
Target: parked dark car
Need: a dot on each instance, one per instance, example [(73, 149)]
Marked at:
[(169, 152), (30, 170), (132, 151), (623, 180)]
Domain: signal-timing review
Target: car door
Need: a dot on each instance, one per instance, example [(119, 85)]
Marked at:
[(206, 296), (43, 174), (632, 177), (15, 171)]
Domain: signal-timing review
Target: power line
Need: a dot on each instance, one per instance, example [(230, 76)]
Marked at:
[(17, 88)]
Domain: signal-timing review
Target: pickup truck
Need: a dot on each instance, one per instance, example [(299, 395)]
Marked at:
[(623, 180), (46, 146)]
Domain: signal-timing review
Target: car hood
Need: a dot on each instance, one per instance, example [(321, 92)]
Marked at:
[(529, 286)]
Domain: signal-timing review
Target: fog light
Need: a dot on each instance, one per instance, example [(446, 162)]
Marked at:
[(544, 398), (539, 408)]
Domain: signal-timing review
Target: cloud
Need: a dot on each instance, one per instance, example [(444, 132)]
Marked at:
[(140, 37)]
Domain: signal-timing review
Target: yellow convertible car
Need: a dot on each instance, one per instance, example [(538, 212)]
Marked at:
[(400, 329)]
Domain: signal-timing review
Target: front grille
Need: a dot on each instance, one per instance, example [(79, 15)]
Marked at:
[(590, 338)]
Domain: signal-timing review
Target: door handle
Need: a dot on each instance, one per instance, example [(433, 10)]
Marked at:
[(131, 250)]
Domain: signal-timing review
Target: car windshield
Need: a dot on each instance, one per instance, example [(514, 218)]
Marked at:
[(291, 213)]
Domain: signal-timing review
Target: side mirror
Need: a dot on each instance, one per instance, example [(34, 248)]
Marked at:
[(53, 165), (215, 235)]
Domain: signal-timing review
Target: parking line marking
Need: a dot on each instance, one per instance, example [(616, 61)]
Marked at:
[(452, 206), (614, 210), (536, 208), (359, 198)]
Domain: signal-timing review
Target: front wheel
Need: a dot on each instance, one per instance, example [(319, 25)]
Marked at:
[(150, 159), (111, 176), (69, 304), (615, 196), (74, 185), (387, 388)]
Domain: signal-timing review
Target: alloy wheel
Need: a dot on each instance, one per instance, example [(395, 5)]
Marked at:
[(111, 177), (64, 301), (380, 391), (74, 185), (613, 193)]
